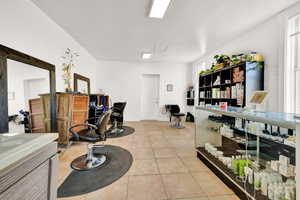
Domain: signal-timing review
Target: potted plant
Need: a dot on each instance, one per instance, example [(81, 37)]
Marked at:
[(67, 65), (235, 59), (221, 62)]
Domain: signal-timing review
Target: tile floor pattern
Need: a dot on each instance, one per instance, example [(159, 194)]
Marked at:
[(165, 167)]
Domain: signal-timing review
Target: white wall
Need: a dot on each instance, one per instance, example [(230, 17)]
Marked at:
[(122, 80), (26, 28), (268, 39), (31, 91)]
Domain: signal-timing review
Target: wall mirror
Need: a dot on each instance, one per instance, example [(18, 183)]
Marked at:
[(22, 79), (81, 84)]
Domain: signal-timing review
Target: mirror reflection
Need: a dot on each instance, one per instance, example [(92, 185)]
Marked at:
[(82, 86), (25, 84)]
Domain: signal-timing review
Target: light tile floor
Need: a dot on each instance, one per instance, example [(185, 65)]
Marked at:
[(165, 167)]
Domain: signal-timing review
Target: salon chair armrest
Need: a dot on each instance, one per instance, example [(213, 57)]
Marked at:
[(87, 120), (75, 135)]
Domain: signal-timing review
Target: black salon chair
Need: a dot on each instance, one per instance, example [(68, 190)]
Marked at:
[(174, 112), (93, 134), (117, 117)]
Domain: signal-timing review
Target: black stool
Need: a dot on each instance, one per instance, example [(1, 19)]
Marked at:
[(174, 111)]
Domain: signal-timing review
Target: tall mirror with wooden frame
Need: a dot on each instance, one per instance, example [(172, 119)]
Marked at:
[(81, 84), (22, 79)]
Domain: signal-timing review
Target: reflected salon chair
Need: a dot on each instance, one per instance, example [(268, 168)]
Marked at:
[(93, 134), (174, 112), (117, 117)]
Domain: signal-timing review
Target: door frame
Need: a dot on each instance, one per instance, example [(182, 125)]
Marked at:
[(8, 53), (151, 74)]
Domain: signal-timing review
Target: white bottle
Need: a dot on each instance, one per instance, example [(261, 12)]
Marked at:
[(279, 192), (257, 180), (271, 191)]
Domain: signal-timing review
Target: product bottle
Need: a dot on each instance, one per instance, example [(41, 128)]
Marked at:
[(289, 193), (271, 191), (279, 192), (257, 180), (264, 183), (249, 174), (242, 164), (235, 165), (231, 164)]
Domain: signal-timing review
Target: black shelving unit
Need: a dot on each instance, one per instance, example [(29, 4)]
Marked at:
[(190, 101), (190, 97), (253, 80)]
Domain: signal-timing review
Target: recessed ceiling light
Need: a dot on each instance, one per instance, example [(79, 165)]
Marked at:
[(159, 8), (146, 56)]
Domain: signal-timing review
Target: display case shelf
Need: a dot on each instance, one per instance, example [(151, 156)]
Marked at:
[(244, 190), (282, 145)]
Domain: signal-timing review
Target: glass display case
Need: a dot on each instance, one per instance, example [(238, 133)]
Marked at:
[(254, 153)]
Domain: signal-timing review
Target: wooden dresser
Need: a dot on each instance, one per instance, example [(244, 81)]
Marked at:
[(71, 108)]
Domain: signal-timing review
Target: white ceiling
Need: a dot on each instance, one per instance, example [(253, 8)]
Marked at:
[(120, 29)]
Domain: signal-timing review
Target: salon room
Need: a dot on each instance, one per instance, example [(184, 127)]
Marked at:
[(149, 100)]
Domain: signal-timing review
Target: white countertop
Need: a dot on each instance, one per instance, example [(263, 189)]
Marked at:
[(16, 147)]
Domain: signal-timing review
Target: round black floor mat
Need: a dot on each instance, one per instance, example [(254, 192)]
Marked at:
[(127, 131), (82, 182)]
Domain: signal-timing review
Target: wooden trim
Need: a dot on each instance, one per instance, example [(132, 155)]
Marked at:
[(8, 53), (83, 78), (24, 58), (3, 96), (53, 101)]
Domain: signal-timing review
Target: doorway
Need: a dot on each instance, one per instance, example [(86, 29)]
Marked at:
[(150, 96)]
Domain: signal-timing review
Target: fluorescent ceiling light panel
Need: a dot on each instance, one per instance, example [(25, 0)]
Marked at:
[(146, 56), (159, 8)]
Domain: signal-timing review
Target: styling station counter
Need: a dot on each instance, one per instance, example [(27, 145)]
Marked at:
[(254, 153), (28, 166)]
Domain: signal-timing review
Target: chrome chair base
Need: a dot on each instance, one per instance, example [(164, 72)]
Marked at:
[(82, 164), (115, 129), (89, 161), (177, 124)]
